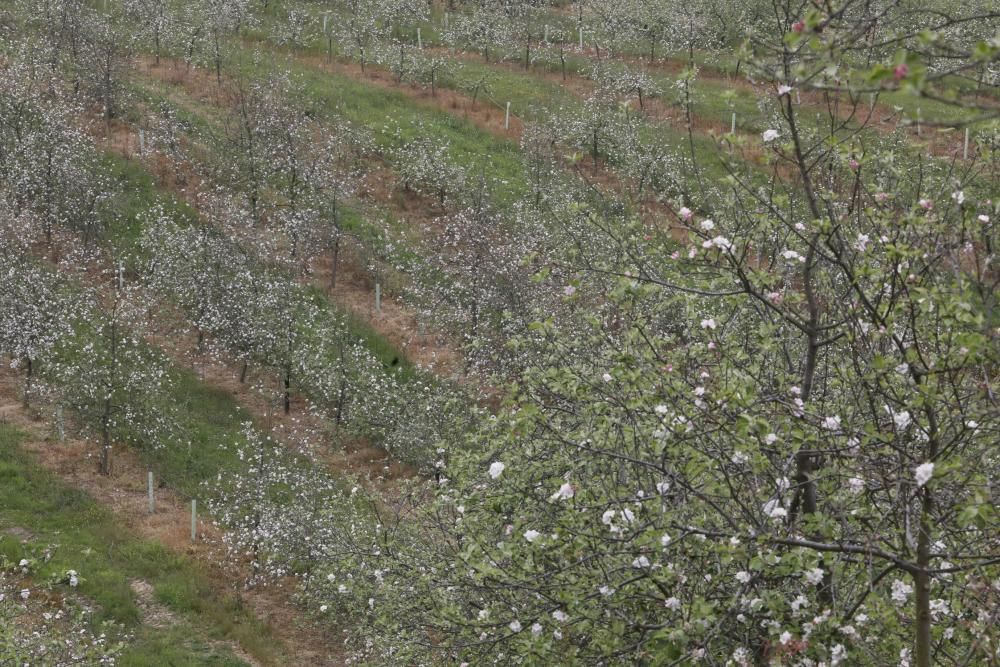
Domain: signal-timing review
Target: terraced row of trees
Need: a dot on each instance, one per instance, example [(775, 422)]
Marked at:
[(714, 373)]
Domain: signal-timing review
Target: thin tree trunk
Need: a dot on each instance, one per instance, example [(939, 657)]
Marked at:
[(29, 373), (288, 391), (105, 462), (334, 256), (922, 584)]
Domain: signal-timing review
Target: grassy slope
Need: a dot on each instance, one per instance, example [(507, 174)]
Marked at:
[(86, 537)]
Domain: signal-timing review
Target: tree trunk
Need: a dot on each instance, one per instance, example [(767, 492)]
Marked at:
[(334, 256), (28, 374), (342, 392), (288, 391), (922, 584), (105, 462)]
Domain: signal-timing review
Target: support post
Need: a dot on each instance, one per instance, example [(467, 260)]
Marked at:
[(149, 487)]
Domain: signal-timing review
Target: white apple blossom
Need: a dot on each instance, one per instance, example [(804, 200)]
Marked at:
[(923, 473), (565, 492), (900, 591), (814, 576), (901, 419)]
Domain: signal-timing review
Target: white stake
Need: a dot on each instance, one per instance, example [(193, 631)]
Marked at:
[(733, 129), (194, 520), (965, 146), (121, 275), (149, 486), (378, 297), (447, 18), (546, 34), (420, 41), (506, 119), (325, 18), (581, 39), (142, 141)]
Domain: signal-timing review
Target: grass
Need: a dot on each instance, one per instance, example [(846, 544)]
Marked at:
[(82, 535), (212, 422), (137, 194)]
